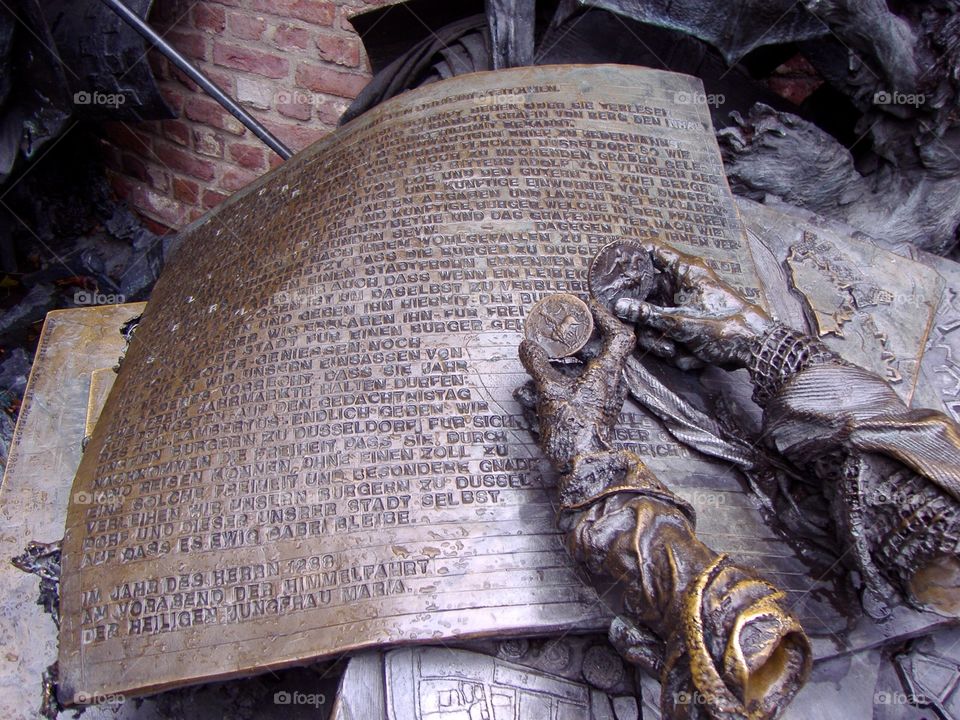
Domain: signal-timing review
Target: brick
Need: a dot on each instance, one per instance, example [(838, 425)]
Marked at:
[(181, 77), (293, 136), (210, 18), (287, 36), (246, 27), (128, 139), (255, 93), (183, 161), (235, 178), (158, 206), (158, 65), (251, 157), (207, 142), (209, 112), (316, 12), (223, 79), (193, 45), (325, 80), (178, 131), (158, 178), (312, 11), (329, 111), (251, 61), (212, 198), (149, 174), (121, 184), (134, 167), (294, 105), (174, 97), (186, 191), (339, 50)]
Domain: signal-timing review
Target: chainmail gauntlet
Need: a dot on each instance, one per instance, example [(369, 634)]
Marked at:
[(779, 355)]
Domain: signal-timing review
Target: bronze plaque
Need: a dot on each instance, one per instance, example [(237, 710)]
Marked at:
[(312, 444), (940, 368), (44, 455), (874, 308)]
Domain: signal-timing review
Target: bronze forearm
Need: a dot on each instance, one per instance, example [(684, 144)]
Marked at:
[(708, 611), (730, 647)]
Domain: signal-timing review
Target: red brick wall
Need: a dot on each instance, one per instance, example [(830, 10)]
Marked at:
[(293, 64)]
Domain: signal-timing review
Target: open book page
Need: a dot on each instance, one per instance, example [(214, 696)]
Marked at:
[(312, 444)]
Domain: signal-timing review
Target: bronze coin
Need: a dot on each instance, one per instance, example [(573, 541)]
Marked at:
[(561, 324), (621, 269)]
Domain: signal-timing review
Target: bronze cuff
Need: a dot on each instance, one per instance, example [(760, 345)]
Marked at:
[(779, 355), (598, 475)]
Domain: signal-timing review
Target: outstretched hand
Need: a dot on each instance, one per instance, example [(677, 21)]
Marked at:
[(699, 318), (577, 412)]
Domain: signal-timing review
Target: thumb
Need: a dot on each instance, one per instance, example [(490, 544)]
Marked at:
[(678, 323), (629, 309)]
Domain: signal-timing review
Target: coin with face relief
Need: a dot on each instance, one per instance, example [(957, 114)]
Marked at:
[(621, 269), (561, 324)]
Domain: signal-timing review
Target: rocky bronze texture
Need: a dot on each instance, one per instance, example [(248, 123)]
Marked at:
[(731, 647)]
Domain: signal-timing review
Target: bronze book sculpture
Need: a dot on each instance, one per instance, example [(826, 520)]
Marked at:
[(312, 447)]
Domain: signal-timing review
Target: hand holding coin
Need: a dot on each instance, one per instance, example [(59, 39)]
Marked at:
[(560, 324)]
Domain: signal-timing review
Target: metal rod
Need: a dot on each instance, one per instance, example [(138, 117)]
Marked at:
[(169, 52)]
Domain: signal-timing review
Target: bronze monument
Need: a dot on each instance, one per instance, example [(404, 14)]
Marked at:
[(320, 452)]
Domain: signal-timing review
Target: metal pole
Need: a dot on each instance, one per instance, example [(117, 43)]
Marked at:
[(169, 52)]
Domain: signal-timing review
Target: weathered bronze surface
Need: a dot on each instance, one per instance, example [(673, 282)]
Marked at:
[(43, 456), (101, 382), (312, 445), (561, 324), (939, 384), (728, 642), (889, 475), (456, 684), (620, 270), (873, 307)]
